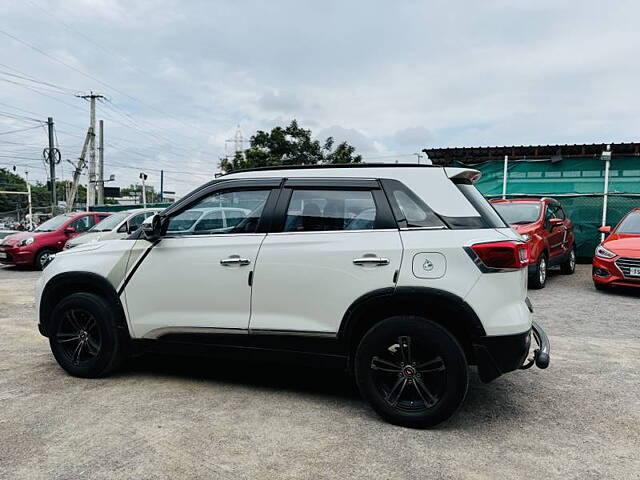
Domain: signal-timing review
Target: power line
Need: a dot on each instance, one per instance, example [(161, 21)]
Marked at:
[(19, 130), (92, 77)]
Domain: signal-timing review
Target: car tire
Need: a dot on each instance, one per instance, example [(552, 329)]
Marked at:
[(41, 258), (601, 287), (411, 371), (538, 279), (84, 337), (569, 266)]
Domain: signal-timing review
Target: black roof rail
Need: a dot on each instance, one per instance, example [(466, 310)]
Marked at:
[(334, 165)]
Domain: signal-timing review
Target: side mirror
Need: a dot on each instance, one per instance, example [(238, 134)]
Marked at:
[(69, 230), (606, 230), (556, 222), (131, 228), (152, 230)]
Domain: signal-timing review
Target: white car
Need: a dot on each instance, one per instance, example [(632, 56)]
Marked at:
[(116, 226), (403, 274)]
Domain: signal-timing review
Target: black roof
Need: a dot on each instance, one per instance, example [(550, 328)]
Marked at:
[(446, 156)]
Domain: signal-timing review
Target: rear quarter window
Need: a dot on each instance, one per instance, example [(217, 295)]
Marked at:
[(488, 218)]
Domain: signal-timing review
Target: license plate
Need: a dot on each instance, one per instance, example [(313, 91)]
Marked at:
[(634, 272), (3, 255)]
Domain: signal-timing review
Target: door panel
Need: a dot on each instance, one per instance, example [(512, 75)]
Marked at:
[(182, 283), (305, 281)]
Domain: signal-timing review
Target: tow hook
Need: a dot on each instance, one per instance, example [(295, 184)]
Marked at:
[(541, 354)]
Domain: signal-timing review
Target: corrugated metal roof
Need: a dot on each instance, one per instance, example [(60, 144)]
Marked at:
[(446, 156)]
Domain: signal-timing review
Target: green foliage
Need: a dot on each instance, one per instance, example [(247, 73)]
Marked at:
[(136, 191), (291, 145), (40, 194)]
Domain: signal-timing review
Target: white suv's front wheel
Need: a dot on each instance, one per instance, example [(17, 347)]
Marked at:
[(412, 371)]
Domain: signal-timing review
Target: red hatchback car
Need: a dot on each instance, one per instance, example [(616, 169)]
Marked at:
[(547, 229), (617, 258), (34, 248)]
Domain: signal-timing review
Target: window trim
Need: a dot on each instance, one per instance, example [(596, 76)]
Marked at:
[(264, 224), (384, 215)]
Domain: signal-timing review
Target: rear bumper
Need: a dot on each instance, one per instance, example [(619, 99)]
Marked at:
[(497, 355)]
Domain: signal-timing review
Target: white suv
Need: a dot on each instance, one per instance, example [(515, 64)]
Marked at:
[(404, 275)]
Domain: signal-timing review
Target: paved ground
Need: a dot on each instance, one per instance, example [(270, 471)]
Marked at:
[(175, 419)]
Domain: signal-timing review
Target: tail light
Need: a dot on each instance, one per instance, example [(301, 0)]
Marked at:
[(502, 254)]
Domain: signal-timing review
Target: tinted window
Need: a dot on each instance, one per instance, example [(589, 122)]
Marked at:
[(242, 208), (82, 224), (322, 210), (518, 213), (557, 211), (630, 224), (409, 210), (210, 221), (137, 220), (489, 218)]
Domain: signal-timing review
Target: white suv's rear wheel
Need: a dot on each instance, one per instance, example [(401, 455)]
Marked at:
[(412, 371)]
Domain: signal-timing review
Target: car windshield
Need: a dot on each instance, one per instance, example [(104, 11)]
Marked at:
[(518, 213), (109, 223), (630, 224), (53, 223)]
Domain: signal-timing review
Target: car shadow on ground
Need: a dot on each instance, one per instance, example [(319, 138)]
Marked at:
[(323, 383), (273, 376)]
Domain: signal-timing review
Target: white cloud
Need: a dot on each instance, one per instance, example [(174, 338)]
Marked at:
[(389, 77)]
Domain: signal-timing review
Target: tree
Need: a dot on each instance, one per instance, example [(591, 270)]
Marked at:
[(40, 194), (291, 145)]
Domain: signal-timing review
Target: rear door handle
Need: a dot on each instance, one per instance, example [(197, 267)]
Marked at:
[(234, 260), (371, 260)]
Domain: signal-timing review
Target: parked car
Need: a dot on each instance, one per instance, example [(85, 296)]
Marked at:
[(548, 231), (617, 258), (34, 248), (116, 226), (430, 282), (6, 233), (207, 220)]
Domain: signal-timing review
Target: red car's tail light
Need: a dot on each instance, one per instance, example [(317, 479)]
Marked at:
[(502, 254)]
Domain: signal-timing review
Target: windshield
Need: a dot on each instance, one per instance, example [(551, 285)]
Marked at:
[(518, 213), (109, 223), (53, 223), (630, 224)]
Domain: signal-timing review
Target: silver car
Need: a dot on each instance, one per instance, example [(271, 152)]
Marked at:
[(118, 225)]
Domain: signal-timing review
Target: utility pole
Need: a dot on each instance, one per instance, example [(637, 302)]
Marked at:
[(26, 175), (78, 171), (101, 165), (161, 186), (52, 166), (91, 190), (143, 177)]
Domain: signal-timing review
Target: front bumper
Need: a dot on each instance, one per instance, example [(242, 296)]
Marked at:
[(15, 256), (606, 272), (497, 355)]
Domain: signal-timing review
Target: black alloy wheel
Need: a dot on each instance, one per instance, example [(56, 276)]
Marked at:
[(84, 335), (406, 381), (79, 336), (412, 371)]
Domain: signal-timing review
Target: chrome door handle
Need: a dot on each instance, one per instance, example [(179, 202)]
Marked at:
[(375, 261), (234, 260)]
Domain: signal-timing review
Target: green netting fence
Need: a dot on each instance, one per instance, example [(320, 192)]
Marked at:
[(578, 183)]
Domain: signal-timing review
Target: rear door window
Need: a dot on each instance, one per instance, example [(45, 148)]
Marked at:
[(323, 210)]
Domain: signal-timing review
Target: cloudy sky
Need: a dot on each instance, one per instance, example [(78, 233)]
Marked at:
[(389, 77)]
